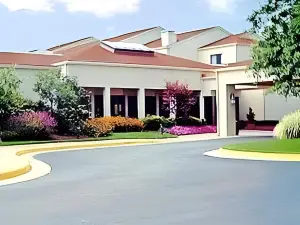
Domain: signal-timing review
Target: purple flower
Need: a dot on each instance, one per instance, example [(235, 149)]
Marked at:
[(186, 130), (32, 122)]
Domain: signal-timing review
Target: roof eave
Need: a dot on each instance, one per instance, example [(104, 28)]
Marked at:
[(131, 65)]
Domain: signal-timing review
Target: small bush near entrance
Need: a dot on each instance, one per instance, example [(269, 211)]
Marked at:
[(98, 127), (289, 126), (152, 123), (190, 121), (124, 124)]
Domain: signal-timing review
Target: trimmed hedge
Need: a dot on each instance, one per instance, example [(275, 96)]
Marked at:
[(152, 123), (97, 127), (289, 126), (190, 121), (124, 124)]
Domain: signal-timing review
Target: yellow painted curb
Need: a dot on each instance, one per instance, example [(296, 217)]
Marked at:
[(257, 155), (15, 173), (27, 168), (66, 147)]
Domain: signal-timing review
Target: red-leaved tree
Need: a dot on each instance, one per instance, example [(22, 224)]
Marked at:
[(178, 99)]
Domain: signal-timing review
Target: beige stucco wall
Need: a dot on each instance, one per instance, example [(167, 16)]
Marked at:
[(146, 37), (126, 77), (189, 48), (28, 78), (243, 52), (254, 99), (226, 81), (277, 106), (209, 85), (228, 54)]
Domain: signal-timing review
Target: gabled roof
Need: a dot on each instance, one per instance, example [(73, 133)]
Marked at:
[(180, 37), (129, 35), (96, 53), (30, 59), (68, 43), (242, 38)]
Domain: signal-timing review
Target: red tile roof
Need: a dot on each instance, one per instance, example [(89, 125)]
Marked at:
[(242, 63), (232, 39), (95, 53), (66, 44), (28, 59), (128, 35), (157, 43)]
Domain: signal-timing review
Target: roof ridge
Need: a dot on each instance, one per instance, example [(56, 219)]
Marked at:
[(208, 28), (231, 35), (132, 32), (68, 43)]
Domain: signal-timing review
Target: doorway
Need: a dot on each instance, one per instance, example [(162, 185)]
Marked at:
[(98, 106), (117, 105)]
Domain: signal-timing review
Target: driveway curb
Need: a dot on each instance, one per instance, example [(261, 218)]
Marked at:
[(231, 154)]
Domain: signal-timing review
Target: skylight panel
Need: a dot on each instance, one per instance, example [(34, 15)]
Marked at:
[(127, 46)]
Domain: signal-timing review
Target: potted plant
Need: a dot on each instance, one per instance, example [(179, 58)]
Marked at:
[(251, 119)]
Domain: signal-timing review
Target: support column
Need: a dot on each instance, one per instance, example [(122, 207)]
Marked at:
[(93, 104), (201, 102), (106, 102), (227, 123), (126, 105), (141, 103), (157, 104)]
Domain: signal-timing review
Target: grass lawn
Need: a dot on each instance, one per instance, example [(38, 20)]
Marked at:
[(288, 146), (114, 136)]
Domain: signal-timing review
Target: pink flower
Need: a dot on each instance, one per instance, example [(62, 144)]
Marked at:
[(186, 130)]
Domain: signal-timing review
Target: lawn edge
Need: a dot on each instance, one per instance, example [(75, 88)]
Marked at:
[(258, 156)]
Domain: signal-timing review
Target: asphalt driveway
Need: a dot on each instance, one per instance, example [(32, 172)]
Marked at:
[(155, 185)]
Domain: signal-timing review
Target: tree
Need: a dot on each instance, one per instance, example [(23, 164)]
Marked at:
[(69, 103), (178, 98), (11, 98), (72, 110), (277, 53)]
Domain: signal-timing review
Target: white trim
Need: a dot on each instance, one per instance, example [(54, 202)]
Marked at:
[(233, 68), (17, 66), (35, 53), (209, 78), (131, 66), (142, 33)]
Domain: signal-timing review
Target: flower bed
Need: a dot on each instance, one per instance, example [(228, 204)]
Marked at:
[(187, 130)]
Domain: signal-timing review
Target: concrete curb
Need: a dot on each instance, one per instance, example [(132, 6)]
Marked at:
[(15, 173), (258, 156), (21, 165)]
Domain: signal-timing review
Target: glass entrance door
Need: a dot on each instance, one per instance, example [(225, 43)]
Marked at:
[(117, 105)]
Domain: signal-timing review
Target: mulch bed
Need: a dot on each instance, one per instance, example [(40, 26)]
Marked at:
[(65, 137)]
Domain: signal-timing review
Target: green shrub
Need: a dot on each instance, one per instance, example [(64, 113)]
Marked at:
[(152, 123), (9, 135), (289, 126), (190, 121)]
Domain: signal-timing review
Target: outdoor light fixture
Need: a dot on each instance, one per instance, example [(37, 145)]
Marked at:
[(232, 98)]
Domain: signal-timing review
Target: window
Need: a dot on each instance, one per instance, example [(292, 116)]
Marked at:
[(215, 59)]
